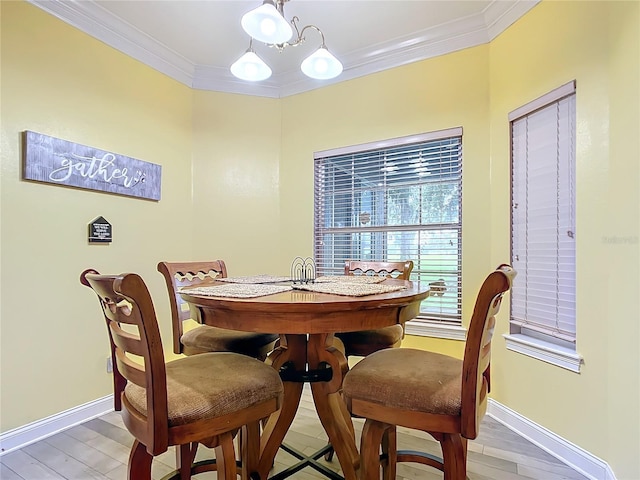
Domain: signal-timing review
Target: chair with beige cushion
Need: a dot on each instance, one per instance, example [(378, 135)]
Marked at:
[(441, 395), (202, 399), (204, 338), (365, 342)]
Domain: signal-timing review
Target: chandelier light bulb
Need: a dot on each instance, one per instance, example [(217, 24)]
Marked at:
[(268, 27), (321, 65), (266, 24), (250, 67)]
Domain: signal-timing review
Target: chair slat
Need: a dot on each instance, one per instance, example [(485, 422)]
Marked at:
[(401, 270), (132, 371), (126, 340)]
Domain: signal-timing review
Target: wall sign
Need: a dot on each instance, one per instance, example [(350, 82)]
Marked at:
[(100, 231), (52, 160)]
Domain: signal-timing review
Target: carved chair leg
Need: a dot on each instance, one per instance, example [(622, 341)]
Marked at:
[(185, 455), (464, 448), (226, 458), (389, 453), (454, 457), (250, 449), (372, 433), (139, 467)]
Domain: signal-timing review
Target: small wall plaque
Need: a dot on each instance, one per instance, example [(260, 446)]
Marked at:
[(100, 231)]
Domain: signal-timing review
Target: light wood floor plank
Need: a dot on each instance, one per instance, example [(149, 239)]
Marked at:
[(104, 444), (68, 467), (27, 467), (555, 473), (99, 449), (83, 453), (7, 474)]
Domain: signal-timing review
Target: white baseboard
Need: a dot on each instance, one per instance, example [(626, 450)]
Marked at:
[(575, 457), (32, 432), (572, 455)]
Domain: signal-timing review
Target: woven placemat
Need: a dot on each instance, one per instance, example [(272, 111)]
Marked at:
[(349, 289), (236, 290), (358, 279), (255, 279)]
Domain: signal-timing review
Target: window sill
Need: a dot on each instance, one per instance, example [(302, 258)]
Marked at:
[(545, 351), (435, 329)]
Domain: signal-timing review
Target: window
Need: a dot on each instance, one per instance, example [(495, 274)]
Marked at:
[(395, 200), (543, 252)]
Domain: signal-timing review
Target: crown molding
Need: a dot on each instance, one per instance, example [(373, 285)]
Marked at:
[(94, 20), (467, 32), (501, 15)]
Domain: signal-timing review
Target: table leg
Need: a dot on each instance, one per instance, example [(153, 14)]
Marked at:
[(292, 349), (331, 408)]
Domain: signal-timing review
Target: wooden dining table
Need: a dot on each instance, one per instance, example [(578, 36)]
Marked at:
[(308, 352)]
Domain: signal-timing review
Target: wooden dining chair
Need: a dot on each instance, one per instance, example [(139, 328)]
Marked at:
[(202, 399), (441, 395), (204, 338), (365, 342)]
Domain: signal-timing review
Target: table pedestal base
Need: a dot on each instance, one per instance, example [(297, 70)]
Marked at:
[(306, 461), (312, 359)]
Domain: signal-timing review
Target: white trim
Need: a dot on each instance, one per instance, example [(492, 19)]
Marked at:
[(543, 101), (572, 455), (391, 142), (545, 351), (498, 16), (93, 19), (32, 432), (435, 329)]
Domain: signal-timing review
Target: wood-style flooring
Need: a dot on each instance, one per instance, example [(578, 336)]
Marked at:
[(99, 449)]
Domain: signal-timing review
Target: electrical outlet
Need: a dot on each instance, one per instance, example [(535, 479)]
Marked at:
[(109, 365)]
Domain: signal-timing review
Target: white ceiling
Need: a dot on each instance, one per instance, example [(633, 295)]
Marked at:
[(195, 42)]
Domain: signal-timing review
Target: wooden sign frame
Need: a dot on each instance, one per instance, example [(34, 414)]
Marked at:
[(60, 162)]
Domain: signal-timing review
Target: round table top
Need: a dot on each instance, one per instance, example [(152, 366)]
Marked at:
[(299, 311)]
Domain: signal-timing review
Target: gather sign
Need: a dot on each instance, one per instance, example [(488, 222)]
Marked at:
[(56, 161)]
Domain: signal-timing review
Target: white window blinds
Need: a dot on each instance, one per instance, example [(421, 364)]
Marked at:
[(395, 200), (543, 298)]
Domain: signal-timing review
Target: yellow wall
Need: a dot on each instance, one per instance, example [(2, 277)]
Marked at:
[(238, 182), (597, 44), (236, 154), (61, 82)]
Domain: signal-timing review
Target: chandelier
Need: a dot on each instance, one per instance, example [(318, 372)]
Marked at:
[(267, 24)]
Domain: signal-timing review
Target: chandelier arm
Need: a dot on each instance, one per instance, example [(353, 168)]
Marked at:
[(317, 30), (299, 33), (280, 7), (299, 39), (300, 36), (320, 65)]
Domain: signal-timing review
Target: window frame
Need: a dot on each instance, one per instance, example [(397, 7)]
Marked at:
[(533, 340), (420, 326)]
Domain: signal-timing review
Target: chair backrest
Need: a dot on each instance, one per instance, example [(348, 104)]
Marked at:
[(183, 274), (401, 270), (476, 379), (133, 332)]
